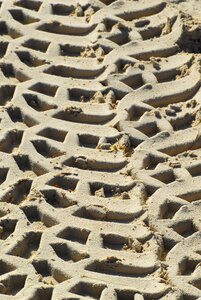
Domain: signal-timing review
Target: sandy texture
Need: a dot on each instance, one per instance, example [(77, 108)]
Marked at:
[(100, 150)]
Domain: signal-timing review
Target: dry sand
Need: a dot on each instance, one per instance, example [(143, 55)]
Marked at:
[(100, 150)]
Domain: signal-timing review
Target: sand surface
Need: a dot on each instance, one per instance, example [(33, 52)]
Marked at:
[(100, 149)]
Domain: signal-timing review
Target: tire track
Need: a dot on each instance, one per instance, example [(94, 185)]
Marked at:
[(100, 145)]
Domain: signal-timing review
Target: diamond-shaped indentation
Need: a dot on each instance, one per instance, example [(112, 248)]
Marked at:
[(13, 284), (35, 216), (7, 227), (45, 149), (6, 267), (57, 199), (49, 274), (28, 246), (64, 182), (67, 253), (53, 134), (74, 234), (31, 4)]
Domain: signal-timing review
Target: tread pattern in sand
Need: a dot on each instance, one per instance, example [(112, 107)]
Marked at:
[(100, 150)]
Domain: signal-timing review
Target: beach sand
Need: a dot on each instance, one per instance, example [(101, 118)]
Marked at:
[(100, 150)]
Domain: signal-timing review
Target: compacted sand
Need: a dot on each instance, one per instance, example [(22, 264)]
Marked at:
[(100, 150)]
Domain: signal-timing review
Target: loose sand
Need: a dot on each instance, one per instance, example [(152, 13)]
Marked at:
[(100, 149)]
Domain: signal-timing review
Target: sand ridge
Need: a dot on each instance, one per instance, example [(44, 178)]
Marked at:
[(100, 150)]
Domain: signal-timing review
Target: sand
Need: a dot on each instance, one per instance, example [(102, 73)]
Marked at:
[(100, 150)]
